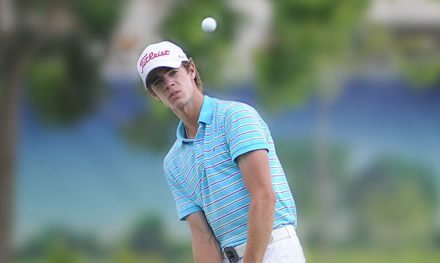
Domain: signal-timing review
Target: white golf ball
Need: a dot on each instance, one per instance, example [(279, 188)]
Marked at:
[(209, 24)]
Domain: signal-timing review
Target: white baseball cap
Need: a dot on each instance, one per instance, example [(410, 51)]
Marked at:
[(162, 54)]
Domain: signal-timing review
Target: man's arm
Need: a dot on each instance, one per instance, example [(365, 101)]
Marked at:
[(205, 246), (255, 169)]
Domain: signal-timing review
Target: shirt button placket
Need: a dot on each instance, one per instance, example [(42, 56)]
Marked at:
[(198, 150)]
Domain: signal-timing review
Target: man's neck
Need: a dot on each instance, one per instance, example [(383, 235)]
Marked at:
[(190, 115)]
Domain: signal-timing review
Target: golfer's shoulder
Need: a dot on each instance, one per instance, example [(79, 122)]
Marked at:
[(231, 108), (173, 154)]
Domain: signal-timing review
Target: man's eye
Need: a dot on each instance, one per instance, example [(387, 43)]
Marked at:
[(173, 72), (156, 82)]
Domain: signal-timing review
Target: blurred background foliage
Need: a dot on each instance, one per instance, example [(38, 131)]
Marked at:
[(64, 69), (306, 37), (395, 199), (51, 42), (64, 82), (384, 212)]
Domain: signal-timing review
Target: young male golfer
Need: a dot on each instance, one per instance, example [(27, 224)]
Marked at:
[(223, 171)]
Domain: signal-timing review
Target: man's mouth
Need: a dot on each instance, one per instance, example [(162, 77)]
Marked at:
[(173, 94)]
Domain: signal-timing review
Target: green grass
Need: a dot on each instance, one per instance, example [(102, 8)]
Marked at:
[(314, 256), (375, 256)]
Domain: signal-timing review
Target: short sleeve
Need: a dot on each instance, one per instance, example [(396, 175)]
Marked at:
[(245, 131), (185, 206)]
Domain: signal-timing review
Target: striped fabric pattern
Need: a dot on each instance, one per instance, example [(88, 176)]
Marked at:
[(203, 173)]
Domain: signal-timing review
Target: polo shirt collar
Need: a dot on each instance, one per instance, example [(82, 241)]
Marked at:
[(205, 116), (180, 133), (207, 110)]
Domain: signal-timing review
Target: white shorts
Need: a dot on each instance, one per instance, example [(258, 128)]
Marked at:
[(284, 247)]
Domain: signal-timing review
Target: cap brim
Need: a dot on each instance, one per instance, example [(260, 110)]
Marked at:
[(164, 63)]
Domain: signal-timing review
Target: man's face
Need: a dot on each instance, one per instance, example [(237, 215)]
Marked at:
[(174, 87)]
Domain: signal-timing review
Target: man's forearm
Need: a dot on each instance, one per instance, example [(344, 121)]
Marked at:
[(261, 217), (206, 249), (204, 244)]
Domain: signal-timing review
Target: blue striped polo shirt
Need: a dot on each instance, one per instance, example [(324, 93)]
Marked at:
[(203, 173)]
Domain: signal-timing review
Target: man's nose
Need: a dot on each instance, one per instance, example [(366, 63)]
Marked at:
[(169, 82)]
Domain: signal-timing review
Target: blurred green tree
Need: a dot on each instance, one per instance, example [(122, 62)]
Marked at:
[(307, 39), (412, 50), (55, 242), (394, 201), (148, 236), (60, 44), (148, 241), (61, 253), (419, 59), (125, 256)]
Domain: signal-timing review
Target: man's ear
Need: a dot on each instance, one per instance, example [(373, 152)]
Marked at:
[(192, 70)]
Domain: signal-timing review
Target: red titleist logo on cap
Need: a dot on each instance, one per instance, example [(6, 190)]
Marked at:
[(151, 56)]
